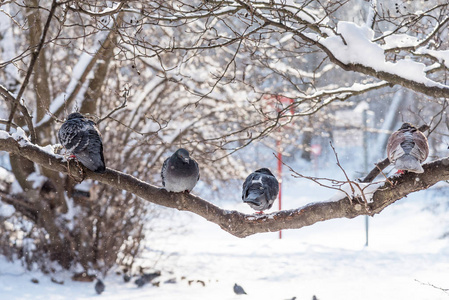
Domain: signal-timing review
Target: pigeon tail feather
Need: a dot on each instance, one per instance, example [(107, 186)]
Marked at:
[(409, 163), (253, 198), (100, 169), (93, 162)]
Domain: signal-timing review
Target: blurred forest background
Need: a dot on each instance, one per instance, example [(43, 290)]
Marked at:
[(211, 76)]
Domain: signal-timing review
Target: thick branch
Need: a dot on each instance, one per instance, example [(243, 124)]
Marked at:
[(236, 223)]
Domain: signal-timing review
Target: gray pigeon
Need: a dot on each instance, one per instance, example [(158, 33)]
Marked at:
[(81, 138), (239, 290), (126, 278), (146, 278), (407, 148), (180, 173), (99, 287), (260, 189)]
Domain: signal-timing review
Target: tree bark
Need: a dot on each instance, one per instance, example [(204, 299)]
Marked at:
[(40, 77), (234, 222)]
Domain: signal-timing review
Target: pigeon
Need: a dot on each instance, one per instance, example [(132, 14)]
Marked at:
[(126, 278), (407, 148), (239, 290), (146, 278), (180, 173), (260, 189), (81, 138), (99, 287)]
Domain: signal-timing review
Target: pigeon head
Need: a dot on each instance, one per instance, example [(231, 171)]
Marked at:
[(407, 126), (264, 171), (75, 115), (183, 154)]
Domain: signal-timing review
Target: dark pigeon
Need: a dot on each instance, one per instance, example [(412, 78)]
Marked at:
[(81, 138), (180, 173), (99, 287), (260, 189), (407, 148), (239, 290), (126, 278), (146, 278)]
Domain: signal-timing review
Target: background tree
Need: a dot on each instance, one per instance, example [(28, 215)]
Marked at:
[(209, 76)]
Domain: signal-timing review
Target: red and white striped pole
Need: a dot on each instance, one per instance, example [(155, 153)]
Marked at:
[(280, 178)]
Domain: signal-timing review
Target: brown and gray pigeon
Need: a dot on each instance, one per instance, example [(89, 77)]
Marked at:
[(81, 138), (180, 173), (407, 148), (260, 189)]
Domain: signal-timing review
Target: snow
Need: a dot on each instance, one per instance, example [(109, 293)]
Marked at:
[(399, 41), (353, 45), (328, 259), (6, 176), (6, 210), (16, 188), (20, 136), (50, 149), (84, 186), (357, 190), (441, 56), (8, 48), (37, 179), (105, 11)]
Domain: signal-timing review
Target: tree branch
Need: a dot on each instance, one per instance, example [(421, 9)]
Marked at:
[(30, 71), (234, 222)]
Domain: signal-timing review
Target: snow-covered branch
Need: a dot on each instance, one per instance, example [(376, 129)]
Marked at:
[(234, 222)]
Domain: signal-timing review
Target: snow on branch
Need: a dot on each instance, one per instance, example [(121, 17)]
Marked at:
[(234, 222), (354, 48)]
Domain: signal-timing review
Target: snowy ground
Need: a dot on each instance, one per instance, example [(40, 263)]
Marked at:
[(405, 255)]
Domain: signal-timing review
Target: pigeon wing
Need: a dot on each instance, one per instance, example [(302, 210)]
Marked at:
[(89, 150), (164, 171), (71, 136), (421, 149), (394, 149), (198, 168), (246, 185), (271, 189), (271, 186)]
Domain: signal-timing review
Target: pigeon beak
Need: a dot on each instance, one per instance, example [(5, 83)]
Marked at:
[(186, 159)]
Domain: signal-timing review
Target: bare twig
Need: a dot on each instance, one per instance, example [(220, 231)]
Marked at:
[(123, 105), (434, 286), (30, 71)]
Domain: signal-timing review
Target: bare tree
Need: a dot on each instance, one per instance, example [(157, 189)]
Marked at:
[(209, 75)]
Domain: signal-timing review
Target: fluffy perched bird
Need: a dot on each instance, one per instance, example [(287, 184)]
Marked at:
[(81, 138), (180, 173), (239, 290), (260, 189), (99, 287), (407, 148)]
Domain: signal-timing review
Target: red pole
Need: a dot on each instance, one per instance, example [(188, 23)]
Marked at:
[(280, 178)]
